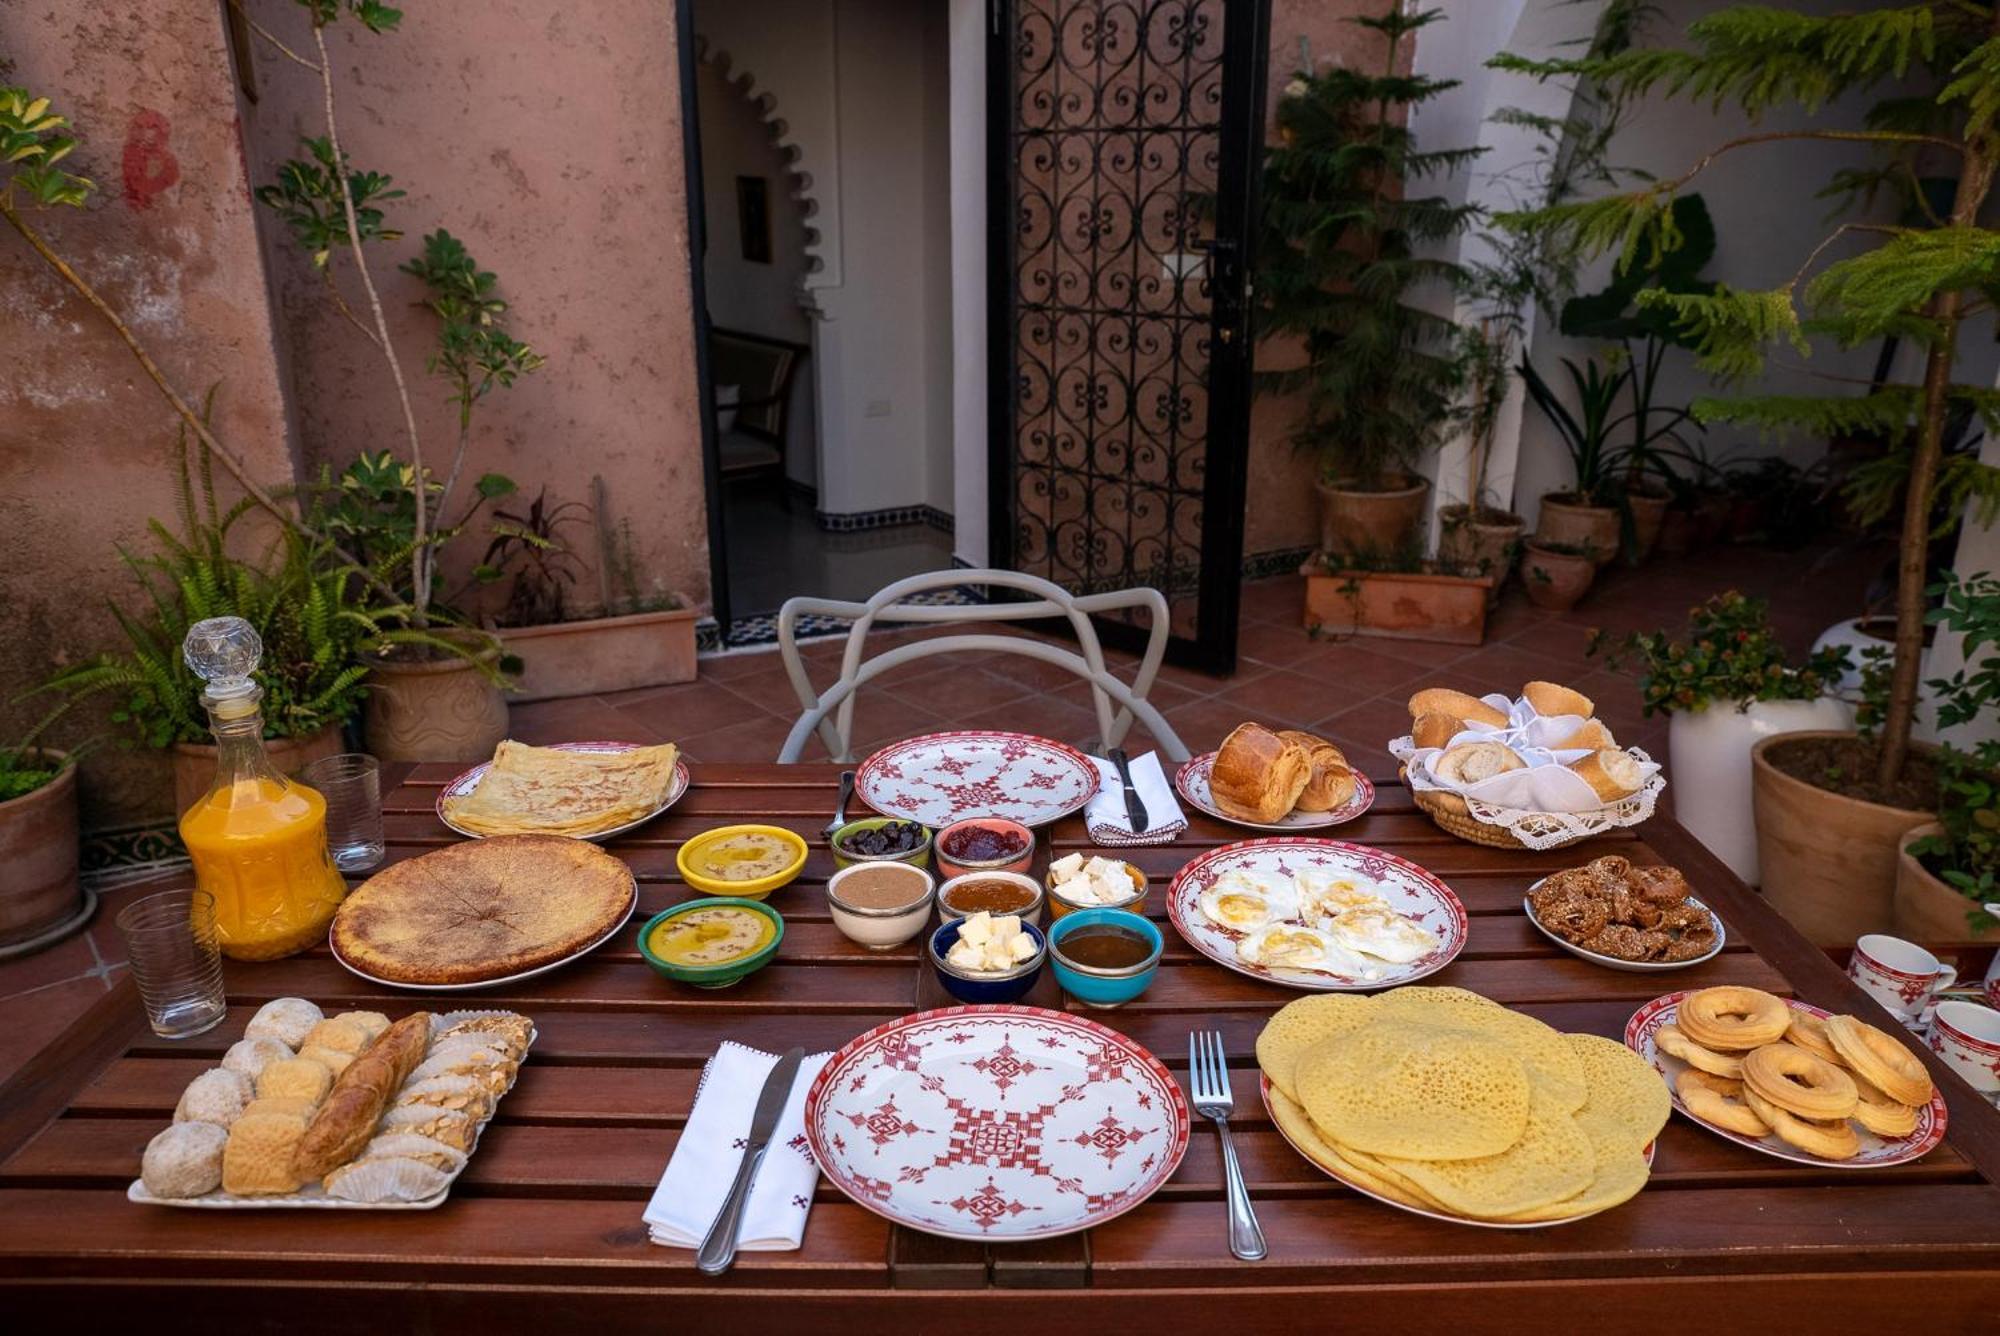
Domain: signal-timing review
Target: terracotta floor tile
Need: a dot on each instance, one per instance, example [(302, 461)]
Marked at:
[(30, 1021), (1506, 667), (1204, 724), (1299, 697), (956, 692), (757, 739), (1281, 599), (770, 689), (585, 718), (1371, 723), (698, 707), (734, 664), (1047, 716), (1274, 645), (68, 959), (1422, 654), (1361, 671)]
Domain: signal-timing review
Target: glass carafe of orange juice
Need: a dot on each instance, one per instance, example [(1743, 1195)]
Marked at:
[(258, 840)]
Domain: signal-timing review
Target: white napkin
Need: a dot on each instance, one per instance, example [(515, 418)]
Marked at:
[(690, 1193), (1545, 785), (1106, 817)]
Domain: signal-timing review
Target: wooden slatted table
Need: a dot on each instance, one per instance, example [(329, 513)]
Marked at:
[(543, 1231)]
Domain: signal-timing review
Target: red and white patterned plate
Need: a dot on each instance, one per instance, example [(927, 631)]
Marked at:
[(1191, 781), (1409, 889), (468, 781), (940, 778), (996, 1122), (1264, 1089), (1876, 1152)]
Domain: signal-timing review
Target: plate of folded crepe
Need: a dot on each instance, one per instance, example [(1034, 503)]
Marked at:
[(345, 1111), (585, 790), (1275, 779)]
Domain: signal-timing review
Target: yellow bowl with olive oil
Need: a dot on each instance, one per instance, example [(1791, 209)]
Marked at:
[(746, 862)]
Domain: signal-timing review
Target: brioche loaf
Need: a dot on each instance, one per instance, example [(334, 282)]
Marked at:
[(1470, 762), (1612, 773), (1551, 698), (348, 1116), (1458, 705), (1332, 780), (1258, 776)]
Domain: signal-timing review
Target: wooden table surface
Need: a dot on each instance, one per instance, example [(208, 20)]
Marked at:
[(542, 1232)]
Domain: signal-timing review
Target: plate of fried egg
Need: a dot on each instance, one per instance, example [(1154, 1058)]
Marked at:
[(1322, 915)]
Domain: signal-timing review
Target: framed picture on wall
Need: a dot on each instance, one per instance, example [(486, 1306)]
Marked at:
[(753, 217)]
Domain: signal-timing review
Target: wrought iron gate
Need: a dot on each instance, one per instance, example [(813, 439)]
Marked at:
[(1125, 136)]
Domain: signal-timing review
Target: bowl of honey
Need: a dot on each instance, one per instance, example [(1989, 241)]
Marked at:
[(1105, 957), (992, 892)]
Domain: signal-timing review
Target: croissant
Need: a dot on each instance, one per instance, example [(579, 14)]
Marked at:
[(1258, 776), (1332, 779)]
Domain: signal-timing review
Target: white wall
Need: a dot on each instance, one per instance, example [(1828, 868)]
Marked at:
[(736, 140), (968, 279)]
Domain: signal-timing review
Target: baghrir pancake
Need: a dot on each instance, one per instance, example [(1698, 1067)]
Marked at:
[(551, 791), (475, 912)]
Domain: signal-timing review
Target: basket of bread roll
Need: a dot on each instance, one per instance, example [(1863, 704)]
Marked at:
[(1538, 771)]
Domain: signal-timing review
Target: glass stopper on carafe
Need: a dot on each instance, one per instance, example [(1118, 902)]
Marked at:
[(224, 652)]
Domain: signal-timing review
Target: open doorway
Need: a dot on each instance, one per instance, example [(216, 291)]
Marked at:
[(825, 173)]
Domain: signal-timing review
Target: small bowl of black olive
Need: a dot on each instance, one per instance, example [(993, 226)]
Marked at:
[(882, 839)]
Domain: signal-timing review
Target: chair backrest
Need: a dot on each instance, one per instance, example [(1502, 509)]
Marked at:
[(762, 369), (831, 714)]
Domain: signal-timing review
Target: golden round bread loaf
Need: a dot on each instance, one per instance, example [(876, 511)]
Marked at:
[(1331, 780), (1611, 773), (1458, 705), (1258, 776), (1552, 698)]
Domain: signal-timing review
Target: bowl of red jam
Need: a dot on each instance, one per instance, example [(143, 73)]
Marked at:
[(983, 844)]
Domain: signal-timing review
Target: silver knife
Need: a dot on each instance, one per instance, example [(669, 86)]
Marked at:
[(718, 1250), (1135, 811)]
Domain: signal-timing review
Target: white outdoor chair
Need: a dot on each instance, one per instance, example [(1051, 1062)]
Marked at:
[(832, 714)]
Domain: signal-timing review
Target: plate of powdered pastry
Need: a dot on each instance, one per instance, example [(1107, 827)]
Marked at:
[(1275, 779), (346, 1112)]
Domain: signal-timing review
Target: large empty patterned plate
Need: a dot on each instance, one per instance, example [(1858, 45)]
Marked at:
[(469, 781), (996, 1122), (940, 778), (1192, 782), (1409, 889), (1876, 1152)]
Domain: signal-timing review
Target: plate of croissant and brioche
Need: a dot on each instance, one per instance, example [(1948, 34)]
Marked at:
[(1275, 779)]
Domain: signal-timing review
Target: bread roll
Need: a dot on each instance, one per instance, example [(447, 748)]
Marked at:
[(1470, 762), (1258, 775), (1443, 700), (1332, 780), (1589, 738), (1613, 773), (1550, 698), (1434, 729), (348, 1116)]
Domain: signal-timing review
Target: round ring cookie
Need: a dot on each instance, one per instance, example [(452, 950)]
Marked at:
[(1829, 1141), (1733, 1018), (1799, 1083), (1808, 1032), (1880, 1114), (1675, 1044), (1880, 1060), (1715, 1100)]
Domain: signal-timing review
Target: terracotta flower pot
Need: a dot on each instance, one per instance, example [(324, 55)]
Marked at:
[(1356, 523), (1555, 580), (1678, 530), (194, 762), (1483, 543), (440, 710), (1828, 861), (1566, 519), (1399, 605), (1649, 515), (39, 847), (642, 649), (1928, 909)]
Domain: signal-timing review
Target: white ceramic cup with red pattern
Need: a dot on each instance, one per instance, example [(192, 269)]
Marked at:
[(1901, 975), (1967, 1036)]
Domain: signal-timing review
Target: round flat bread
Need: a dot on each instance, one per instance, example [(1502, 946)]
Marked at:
[(1415, 1091), (1297, 1026), (1551, 1162), (475, 912), (1624, 1088)]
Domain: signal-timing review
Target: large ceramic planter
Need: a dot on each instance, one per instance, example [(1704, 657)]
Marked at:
[(1649, 517), (1555, 580), (1360, 524), (1858, 634), (1485, 543), (1398, 605), (38, 849), (1927, 910), (1566, 520), (194, 762), (1828, 861), (442, 710), (644, 649), (1678, 531), (1708, 760)]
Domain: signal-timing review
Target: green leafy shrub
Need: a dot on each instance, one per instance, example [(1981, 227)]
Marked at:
[(1730, 654), (1965, 854)]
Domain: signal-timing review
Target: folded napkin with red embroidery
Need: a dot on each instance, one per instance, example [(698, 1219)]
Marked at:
[(1106, 819), (690, 1193)]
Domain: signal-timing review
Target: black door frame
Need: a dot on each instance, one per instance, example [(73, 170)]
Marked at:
[(697, 234), (1245, 68)]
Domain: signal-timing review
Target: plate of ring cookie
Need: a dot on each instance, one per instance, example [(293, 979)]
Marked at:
[(1790, 1079)]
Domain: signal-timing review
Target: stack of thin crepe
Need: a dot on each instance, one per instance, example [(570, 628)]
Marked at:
[(551, 791)]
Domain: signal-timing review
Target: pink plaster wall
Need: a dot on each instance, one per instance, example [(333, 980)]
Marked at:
[(85, 439), (547, 138)]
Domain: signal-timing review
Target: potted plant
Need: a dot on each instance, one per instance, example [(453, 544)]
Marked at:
[(632, 637), (1584, 517), (1832, 808), (1399, 596), (38, 845), (1339, 268), (1948, 871), (1557, 575), (1724, 686), (1475, 537)]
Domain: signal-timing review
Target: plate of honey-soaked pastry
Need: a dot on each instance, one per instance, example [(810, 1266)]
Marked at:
[(1612, 913), (351, 1111), (1275, 779)]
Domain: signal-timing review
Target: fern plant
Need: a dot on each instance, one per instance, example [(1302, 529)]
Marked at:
[(1920, 279)]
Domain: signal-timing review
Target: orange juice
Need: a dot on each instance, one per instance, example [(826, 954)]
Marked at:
[(259, 846)]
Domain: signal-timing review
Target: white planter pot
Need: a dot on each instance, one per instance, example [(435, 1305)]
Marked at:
[(1849, 634), (1708, 765)]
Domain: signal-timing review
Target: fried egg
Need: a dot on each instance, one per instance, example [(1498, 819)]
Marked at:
[(1382, 933), (1237, 909), (1324, 893), (1287, 946)]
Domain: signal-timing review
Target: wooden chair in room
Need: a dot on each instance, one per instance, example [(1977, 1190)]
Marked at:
[(831, 713), (751, 432)]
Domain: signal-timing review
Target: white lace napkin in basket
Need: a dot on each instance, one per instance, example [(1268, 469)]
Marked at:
[(1544, 804), (1106, 817), (690, 1193)]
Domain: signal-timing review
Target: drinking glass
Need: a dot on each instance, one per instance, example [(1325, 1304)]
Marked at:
[(352, 787), (177, 960)]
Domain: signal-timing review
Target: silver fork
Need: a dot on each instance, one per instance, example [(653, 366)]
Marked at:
[(1208, 1078), (840, 808)]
